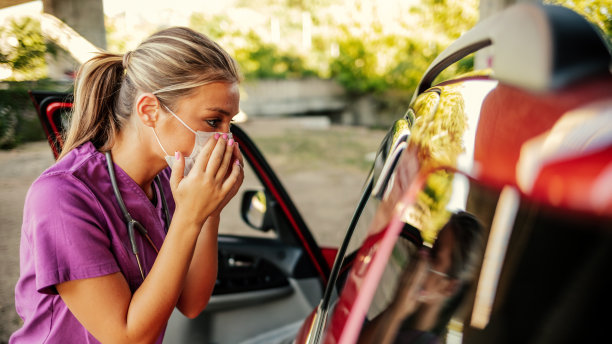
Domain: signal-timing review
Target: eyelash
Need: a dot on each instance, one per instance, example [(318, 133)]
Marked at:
[(213, 122)]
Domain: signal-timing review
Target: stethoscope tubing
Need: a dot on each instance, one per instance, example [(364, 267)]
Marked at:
[(129, 220)]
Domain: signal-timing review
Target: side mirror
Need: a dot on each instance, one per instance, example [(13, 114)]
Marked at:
[(255, 210)]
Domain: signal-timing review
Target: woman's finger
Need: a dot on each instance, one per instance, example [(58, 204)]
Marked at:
[(237, 154), (216, 157), (201, 160), (231, 180), (227, 158), (178, 169)]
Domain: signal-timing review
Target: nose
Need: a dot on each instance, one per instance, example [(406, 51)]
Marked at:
[(224, 127)]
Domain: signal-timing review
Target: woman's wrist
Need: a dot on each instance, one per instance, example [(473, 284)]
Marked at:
[(188, 218)]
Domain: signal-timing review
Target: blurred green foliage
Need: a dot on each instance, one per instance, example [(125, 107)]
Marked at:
[(23, 52), (364, 56), (434, 198), (437, 135), (364, 52), (257, 58), (24, 49), (260, 60)]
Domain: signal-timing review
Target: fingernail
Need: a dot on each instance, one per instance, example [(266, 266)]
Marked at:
[(177, 155), (216, 136), (230, 142), (225, 136), (237, 162)]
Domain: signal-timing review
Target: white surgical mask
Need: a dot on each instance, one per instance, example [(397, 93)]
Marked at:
[(200, 140)]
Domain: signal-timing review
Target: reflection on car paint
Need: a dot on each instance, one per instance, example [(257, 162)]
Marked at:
[(501, 229)]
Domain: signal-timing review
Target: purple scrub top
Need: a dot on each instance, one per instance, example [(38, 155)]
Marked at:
[(72, 229)]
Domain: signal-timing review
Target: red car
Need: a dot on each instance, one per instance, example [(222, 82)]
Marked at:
[(486, 217)]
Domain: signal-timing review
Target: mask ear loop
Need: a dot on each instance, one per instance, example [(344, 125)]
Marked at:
[(159, 142), (179, 119), (183, 123)]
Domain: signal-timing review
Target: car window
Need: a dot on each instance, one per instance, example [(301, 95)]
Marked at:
[(536, 257), (449, 236), (389, 153), (512, 281)]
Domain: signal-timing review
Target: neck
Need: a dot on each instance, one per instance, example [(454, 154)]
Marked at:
[(132, 153)]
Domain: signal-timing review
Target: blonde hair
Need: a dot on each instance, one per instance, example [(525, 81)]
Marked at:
[(170, 64)]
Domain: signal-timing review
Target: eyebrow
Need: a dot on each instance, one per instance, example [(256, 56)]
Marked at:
[(220, 110)]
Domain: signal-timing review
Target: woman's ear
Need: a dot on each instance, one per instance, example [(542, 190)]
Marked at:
[(147, 109)]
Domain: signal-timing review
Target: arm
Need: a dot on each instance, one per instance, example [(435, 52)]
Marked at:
[(384, 328), (108, 310), (202, 273), (105, 305)]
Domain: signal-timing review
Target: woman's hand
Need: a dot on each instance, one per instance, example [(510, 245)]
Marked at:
[(236, 159), (205, 189), (409, 290)]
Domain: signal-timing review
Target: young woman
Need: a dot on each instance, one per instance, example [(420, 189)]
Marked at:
[(113, 240)]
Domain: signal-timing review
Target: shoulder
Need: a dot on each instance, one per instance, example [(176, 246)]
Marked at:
[(82, 157), (68, 181)]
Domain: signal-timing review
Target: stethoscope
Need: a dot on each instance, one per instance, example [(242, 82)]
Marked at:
[(129, 220)]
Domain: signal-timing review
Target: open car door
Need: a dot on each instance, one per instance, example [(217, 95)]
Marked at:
[(270, 276)]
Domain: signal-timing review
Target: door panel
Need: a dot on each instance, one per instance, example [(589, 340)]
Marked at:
[(256, 294)]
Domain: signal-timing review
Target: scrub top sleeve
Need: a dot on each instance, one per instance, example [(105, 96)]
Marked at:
[(66, 231)]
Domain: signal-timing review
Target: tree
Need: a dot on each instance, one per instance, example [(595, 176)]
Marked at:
[(26, 49)]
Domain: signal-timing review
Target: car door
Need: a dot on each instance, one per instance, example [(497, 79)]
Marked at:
[(484, 137), (271, 273), (391, 147)]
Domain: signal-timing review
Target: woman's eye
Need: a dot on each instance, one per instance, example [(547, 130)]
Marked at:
[(213, 122)]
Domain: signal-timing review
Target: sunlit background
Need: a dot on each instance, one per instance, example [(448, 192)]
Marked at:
[(369, 52), (353, 62)]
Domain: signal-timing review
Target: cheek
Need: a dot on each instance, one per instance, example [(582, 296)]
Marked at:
[(184, 144), (177, 139)]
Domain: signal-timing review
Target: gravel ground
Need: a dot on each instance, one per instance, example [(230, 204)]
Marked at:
[(323, 168)]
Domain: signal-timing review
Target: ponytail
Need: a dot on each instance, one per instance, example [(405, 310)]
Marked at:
[(107, 85), (93, 115)]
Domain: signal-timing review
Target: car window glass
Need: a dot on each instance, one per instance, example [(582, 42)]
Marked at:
[(525, 286), (527, 253), (382, 174), (418, 295)]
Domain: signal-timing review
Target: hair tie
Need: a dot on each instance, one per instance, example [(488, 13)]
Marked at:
[(126, 60)]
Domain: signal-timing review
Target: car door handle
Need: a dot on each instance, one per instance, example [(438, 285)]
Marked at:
[(234, 262)]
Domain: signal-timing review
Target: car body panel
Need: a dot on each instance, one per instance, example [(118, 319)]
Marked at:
[(541, 147)]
